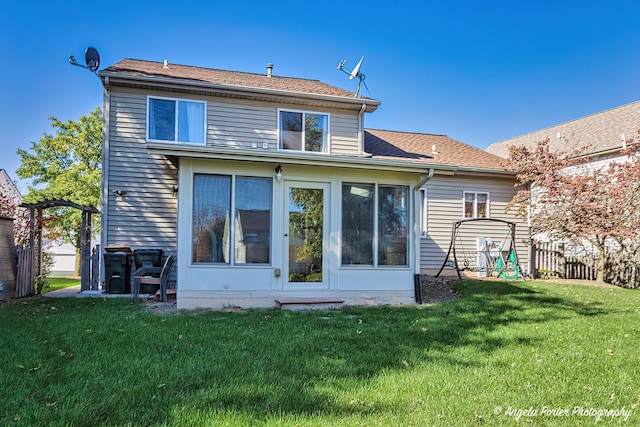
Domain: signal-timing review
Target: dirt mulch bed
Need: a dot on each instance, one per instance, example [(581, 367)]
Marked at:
[(433, 289), (437, 289)]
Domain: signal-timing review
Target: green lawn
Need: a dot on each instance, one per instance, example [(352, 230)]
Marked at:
[(539, 353), (55, 283)]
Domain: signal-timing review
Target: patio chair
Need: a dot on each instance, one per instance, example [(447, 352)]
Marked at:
[(154, 276)]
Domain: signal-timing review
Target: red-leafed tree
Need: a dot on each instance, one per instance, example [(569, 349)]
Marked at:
[(10, 208), (570, 199)]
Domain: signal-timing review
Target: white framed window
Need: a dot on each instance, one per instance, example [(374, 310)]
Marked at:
[(423, 212), (475, 204), (375, 228), (220, 237), (303, 131), (176, 120)]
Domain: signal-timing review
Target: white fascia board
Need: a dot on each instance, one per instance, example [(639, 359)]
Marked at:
[(315, 159)]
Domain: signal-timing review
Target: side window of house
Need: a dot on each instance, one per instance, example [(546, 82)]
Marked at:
[(222, 237), (361, 205), (176, 120), (476, 205), (303, 131)]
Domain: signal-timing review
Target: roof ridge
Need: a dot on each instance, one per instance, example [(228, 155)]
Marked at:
[(415, 133)]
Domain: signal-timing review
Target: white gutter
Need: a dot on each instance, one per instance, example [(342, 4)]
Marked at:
[(361, 127), (314, 159), (417, 225)]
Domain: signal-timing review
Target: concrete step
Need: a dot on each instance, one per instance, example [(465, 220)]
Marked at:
[(299, 304)]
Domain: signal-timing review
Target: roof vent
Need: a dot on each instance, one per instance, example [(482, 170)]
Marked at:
[(558, 135), (434, 149), (269, 69), (166, 64)]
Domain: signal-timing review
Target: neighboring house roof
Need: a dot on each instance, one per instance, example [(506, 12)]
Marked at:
[(428, 148), (8, 187), (135, 68), (598, 133)]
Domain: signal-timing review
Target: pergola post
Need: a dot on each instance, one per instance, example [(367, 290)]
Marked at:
[(84, 276), (39, 265), (32, 253), (35, 246)]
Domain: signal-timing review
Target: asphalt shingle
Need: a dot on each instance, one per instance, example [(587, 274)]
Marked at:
[(596, 133), (428, 148), (136, 67)]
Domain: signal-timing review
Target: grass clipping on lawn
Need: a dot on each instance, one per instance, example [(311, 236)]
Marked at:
[(500, 348)]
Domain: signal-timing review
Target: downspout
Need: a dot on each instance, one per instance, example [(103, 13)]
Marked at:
[(106, 109), (416, 276), (424, 180), (361, 127)]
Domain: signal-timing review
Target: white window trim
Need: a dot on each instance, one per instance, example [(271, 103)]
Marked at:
[(175, 120), (475, 203), (424, 213), (232, 223), (376, 231), (326, 150)]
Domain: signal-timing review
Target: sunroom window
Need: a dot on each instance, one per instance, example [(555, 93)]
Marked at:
[(303, 131), (176, 120), (222, 238), (375, 225)]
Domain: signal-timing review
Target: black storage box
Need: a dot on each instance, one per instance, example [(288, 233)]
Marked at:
[(116, 273), (147, 257)]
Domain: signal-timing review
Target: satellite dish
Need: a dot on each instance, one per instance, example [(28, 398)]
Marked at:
[(355, 73), (92, 59)]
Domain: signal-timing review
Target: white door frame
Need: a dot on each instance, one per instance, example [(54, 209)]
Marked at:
[(326, 228)]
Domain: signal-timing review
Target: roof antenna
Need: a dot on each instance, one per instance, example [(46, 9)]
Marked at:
[(355, 73), (92, 59)]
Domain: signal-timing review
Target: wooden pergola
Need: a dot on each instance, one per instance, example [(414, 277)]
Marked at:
[(35, 238)]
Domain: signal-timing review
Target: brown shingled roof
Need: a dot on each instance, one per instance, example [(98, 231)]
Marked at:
[(419, 147), (140, 68), (598, 132)]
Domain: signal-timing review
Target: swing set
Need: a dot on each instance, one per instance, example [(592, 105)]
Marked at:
[(490, 256)]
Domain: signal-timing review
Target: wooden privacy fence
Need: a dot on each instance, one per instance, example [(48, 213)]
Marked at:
[(95, 268), (26, 274), (550, 260), (25, 280)]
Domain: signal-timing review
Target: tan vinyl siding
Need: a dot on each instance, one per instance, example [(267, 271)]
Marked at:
[(239, 125), (344, 134), (445, 205), (147, 216)]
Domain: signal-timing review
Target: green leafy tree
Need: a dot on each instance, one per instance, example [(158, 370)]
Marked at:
[(308, 224), (66, 166)]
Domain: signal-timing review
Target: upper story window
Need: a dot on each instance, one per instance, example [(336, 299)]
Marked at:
[(304, 131), (476, 205), (176, 120)]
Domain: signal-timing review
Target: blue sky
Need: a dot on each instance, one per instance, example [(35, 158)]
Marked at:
[(478, 71)]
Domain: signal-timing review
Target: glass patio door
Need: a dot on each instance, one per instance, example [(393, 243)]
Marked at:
[(306, 234)]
